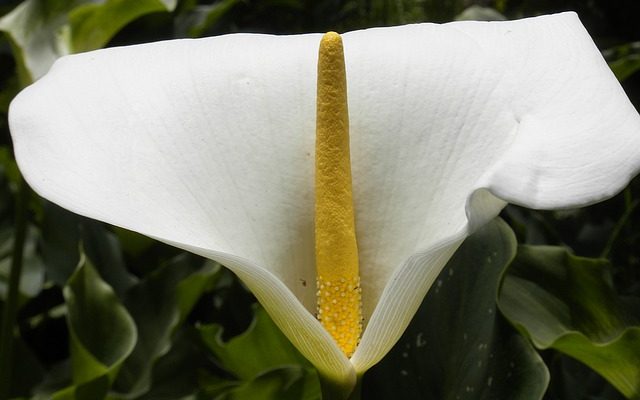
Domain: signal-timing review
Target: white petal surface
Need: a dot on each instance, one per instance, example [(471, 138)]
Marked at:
[(443, 140), (428, 118), (208, 145), (205, 144), (201, 142), (578, 135)]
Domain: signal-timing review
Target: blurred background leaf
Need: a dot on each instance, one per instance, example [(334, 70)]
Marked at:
[(624, 59), (102, 334), (458, 346), (262, 361), (159, 305), (568, 303), (93, 24), (40, 31)]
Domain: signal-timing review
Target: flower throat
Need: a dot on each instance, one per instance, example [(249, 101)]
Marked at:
[(338, 279)]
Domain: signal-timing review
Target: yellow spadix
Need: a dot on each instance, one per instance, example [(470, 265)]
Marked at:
[(338, 279)]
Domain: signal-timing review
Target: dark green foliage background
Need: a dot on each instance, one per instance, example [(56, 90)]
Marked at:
[(194, 321)]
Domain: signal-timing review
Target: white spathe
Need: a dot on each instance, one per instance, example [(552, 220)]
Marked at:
[(208, 145)]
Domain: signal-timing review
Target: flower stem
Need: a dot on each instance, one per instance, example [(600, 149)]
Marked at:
[(11, 303), (335, 391), (356, 394)]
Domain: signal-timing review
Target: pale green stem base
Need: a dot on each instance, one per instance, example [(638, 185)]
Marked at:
[(333, 391), (356, 394)]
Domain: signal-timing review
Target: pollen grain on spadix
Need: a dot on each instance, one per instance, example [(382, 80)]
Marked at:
[(338, 279)]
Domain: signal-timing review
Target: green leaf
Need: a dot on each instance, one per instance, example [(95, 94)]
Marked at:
[(265, 363), (36, 31), (288, 383), (105, 252), (60, 242), (626, 66), (624, 60), (40, 31), (159, 304), (260, 348), (94, 24), (102, 334), (197, 21), (458, 346), (9, 166), (133, 243), (568, 303), (62, 234), (175, 374)]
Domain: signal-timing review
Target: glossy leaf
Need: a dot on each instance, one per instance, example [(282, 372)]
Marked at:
[(624, 60), (60, 242), (262, 347), (626, 66), (158, 305), (36, 32), (94, 24), (133, 243), (264, 362), (105, 252), (569, 303), (195, 22), (102, 334), (458, 346), (287, 383), (62, 234), (175, 374), (40, 31)]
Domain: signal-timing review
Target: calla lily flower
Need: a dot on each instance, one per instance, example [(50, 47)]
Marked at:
[(208, 145)]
